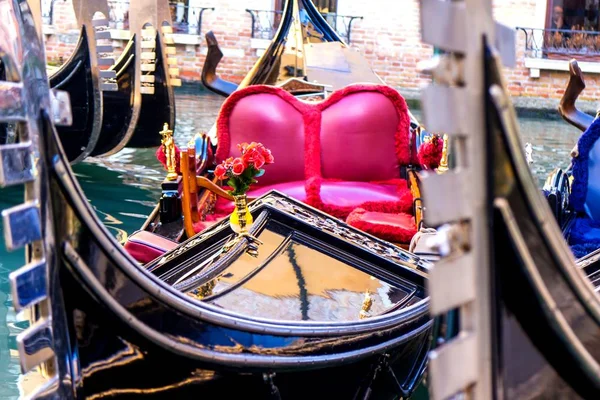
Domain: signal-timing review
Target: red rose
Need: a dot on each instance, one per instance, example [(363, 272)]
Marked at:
[(238, 166), (228, 163), (253, 156), (269, 159), (220, 172), (259, 160)]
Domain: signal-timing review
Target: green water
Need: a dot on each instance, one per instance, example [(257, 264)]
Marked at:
[(124, 188)]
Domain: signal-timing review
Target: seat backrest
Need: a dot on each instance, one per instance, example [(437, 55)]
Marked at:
[(364, 134), (268, 115), (359, 133)]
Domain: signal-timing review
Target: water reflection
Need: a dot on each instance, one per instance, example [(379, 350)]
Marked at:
[(124, 188)]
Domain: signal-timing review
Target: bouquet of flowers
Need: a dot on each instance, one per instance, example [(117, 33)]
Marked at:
[(241, 172)]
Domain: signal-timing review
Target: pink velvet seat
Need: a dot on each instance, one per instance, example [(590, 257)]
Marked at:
[(349, 147), (146, 246), (339, 155)]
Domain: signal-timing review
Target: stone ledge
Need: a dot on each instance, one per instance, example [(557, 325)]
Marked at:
[(537, 64)]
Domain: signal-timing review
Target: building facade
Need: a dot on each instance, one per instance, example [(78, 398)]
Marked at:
[(386, 32)]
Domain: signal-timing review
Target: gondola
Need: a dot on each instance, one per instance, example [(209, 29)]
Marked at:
[(145, 77), (158, 71), (136, 96), (354, 325), (539, 283), (120, 110), (530, 324), (76, 78), (193, 201), (85, 82)]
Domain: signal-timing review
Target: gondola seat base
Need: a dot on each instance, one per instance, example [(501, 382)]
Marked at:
[(145, 246), (338, 198)]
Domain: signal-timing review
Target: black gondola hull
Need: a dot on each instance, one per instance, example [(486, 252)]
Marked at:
[(157, 108), (546, 341), (76, 77)]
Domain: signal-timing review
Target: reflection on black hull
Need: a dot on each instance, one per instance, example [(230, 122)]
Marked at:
[(157, 108), (75, 77), (547, 312), (118, 105)]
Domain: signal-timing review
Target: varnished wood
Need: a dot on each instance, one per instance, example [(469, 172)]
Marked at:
[(414, 186)]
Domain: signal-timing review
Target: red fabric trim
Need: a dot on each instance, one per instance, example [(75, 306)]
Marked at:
[(404, 205), (382, 231)]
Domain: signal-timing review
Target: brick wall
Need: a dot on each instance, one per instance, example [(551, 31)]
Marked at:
[(61, 44), (388, 36), (232, 27)]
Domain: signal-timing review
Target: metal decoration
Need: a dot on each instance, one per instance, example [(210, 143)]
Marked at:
[(16, 165), (35, 345), (22, 53), (169, 149), (29, 285), (22, 225)]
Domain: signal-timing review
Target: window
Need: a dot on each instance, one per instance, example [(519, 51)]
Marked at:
[(573, 15), (572, 28)]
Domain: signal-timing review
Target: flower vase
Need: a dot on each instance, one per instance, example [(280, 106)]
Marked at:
[(241, 219)]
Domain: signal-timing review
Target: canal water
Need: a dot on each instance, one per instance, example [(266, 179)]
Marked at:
[(124, 188)]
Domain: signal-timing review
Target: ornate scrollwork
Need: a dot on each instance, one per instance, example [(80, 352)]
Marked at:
[(340, 229)]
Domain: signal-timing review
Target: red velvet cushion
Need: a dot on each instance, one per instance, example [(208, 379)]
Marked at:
[(146, 246), (271, 120), (398, 228), (358, 138), (353, 194), (339, 198)]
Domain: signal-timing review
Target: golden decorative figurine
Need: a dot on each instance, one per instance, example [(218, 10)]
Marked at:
[(168, 144), (366, 306), (444, 161)]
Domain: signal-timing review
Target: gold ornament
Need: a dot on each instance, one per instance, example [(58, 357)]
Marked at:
[(168, 144)]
